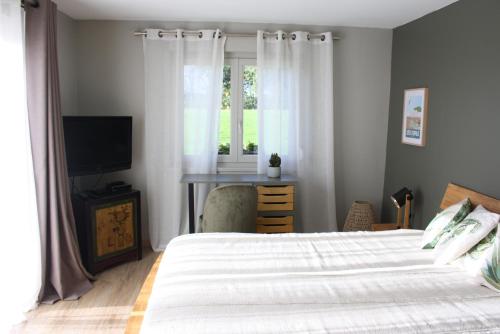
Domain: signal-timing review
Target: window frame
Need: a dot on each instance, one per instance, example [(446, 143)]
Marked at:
[(236, 160)]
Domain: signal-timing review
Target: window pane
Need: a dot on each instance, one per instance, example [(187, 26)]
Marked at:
[(225, 115), (249, 109)]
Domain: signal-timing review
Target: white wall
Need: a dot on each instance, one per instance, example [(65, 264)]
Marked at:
[(66, 51), (362, 76), (110, 80)]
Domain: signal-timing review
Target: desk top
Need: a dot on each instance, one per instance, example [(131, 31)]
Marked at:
[(238, 178)]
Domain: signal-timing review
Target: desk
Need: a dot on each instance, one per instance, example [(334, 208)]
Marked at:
[(253, 179)]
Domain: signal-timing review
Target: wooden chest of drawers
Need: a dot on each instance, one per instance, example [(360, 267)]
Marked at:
[(276, 208)]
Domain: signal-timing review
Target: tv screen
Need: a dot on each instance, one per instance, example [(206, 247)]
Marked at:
[(97, 144)]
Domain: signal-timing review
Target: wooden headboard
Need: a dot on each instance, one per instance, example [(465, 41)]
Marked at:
[(455, 193)]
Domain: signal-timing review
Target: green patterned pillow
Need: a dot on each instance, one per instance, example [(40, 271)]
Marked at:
[(474, 259), (461, 237), (444, 221), (490, 270)]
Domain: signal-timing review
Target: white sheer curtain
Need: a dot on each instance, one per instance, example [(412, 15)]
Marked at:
[(20, 280), (183, 98), (295, 90)]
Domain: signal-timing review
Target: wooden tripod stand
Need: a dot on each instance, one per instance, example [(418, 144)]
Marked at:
[(407, 213)]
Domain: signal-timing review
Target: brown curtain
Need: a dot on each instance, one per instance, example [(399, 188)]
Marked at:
[(63, 276)]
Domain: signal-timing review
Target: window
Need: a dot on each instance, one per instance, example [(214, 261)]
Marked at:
[(225, 113), (238, 136)]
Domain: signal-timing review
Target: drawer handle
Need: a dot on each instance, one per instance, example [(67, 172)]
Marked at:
[(274, 202)]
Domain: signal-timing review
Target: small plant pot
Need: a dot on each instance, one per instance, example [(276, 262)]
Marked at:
[(273, 171)]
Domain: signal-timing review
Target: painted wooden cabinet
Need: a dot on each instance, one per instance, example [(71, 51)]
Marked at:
[(109, 229)]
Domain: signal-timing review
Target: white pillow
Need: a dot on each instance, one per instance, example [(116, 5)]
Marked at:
[(466, 234), (450, 216), (490, 270), (474, 259)]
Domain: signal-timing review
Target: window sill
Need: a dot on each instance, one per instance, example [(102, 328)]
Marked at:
[(237, 168)]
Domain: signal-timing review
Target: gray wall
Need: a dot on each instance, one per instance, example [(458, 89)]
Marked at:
[(110, 80), (455, 52)]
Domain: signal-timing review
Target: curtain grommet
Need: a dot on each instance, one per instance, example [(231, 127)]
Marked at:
[(160, 35), (294, 37), (323, 38), (182, 34), (308, 37), (200, 35), (283, 36)]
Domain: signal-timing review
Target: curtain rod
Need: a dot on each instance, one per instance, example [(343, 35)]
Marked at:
[(194, 33)]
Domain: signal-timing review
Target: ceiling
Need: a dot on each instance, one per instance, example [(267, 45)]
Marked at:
[(355, 13)]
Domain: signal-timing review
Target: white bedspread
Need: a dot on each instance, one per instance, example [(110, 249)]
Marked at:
[(360, 282)]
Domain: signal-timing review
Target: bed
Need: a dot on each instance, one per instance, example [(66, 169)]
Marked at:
[(354, 282)]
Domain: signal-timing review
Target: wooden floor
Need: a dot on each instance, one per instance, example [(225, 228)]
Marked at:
[(104, 309), (136, 318)]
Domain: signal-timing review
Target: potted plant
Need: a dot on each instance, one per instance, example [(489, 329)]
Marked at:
[(274, 169)]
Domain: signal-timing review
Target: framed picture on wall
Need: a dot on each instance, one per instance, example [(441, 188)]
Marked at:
[(415, 116)]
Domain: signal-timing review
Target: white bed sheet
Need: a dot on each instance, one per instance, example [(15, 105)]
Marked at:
[(358, 282)]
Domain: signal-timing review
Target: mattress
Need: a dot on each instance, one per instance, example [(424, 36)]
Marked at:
[(354, 282)]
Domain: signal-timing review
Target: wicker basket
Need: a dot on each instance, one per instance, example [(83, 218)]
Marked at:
[(360, 217)]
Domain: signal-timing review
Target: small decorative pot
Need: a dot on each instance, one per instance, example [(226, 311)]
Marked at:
[(273, 171)]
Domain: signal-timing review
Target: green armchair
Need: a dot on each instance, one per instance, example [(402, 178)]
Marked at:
[(231, 208)]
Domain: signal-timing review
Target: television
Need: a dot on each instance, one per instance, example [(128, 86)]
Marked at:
[(97, 144)]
